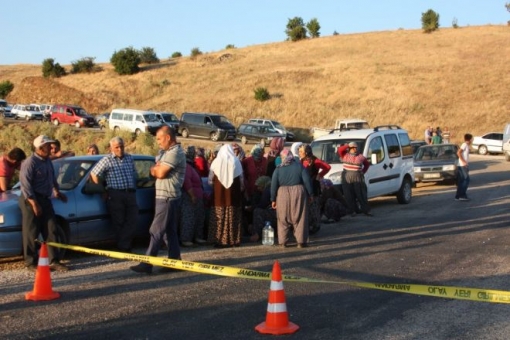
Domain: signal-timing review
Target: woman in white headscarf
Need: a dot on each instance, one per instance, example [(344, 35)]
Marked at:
[(226, 178)]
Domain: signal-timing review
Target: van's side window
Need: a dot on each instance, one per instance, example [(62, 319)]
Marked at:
[(393, 146), (139, 118), (116, 115), (376, 148), (69, 112), (407, 149), (208, 121), (61, 109), (128, 117)]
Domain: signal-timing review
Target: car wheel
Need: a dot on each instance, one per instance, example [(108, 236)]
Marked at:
[(55, 122), (27, 118), (405, 192), (263, 142), (185, 133), (482, 150), (138, 132), (214, 136), (507, 156), (244, 140), (62, 236), (77, 125)]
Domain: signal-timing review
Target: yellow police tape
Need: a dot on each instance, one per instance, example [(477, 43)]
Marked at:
[(459, 293)]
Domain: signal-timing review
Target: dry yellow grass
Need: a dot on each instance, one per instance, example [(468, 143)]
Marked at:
[(458, 78)]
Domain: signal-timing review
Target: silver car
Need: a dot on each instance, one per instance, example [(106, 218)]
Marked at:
[(84, 218)]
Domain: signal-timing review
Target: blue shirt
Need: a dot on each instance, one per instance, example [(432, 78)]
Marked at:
[(37, 176), (120, 173)]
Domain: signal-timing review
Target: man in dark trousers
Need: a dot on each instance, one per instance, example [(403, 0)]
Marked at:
[(353, 179), (38, 184), (118, 169)]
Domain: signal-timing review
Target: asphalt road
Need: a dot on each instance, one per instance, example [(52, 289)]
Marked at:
[(433, 240)]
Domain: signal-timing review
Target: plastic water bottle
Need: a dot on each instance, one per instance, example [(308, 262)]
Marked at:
[(270, 234), (265, 234)]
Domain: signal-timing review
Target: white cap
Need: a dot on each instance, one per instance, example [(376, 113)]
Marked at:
[(41, 140), (353, 145)]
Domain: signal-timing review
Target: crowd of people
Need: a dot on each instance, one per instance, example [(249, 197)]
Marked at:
[(221, 196), (437, 135)]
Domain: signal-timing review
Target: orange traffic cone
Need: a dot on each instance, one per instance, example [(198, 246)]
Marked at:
[(277, 318), (42, 286)]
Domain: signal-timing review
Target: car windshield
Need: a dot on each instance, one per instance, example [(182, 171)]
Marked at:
[(32, 108), (169, 117), (3, 104), (220, 120), (150, 117), (80, 112), (327, 150), (435, 153), (278, 125), (70, 172)]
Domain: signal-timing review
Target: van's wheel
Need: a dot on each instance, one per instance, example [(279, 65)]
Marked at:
[(405, 192), (482, 150), (138, 132), (244, 140), (77, 125), (55, 122), (27, 118), (185, 133), (214, 136)]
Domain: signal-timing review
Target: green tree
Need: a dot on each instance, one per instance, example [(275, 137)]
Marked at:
[(52, 69), (261, 94), (430, 21), (195, 52), (295, 29), (148, 56), (126, 61), (84, 65), (176, 55), (6, 87), (313, 28), (230, 46)]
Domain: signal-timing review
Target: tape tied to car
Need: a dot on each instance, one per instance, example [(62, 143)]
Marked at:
[(449, 292)]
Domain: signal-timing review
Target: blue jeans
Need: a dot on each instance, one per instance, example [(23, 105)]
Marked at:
[(462, 181), (165, 222)]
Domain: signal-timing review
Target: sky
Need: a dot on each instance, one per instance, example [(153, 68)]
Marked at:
[(69, 30)]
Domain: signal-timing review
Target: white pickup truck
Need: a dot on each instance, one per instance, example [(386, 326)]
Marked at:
[(340, 125)]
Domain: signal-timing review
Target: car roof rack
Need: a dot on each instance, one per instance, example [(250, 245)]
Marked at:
[(387, 127)]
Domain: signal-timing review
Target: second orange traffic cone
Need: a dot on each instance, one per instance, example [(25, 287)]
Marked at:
[(277, 318), (42, 286)]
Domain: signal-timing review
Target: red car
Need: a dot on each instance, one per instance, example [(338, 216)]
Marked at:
[(71, 114)]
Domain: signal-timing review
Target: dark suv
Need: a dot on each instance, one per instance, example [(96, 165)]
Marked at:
[(209, 125), (257, 133)]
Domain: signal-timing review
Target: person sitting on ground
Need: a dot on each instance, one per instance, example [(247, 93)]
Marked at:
[(8, 165), (332, 202), (262, 209)]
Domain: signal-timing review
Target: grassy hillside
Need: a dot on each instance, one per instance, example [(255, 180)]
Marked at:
[(458, 78)]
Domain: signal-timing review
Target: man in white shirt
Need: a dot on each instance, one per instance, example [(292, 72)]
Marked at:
[(463, 169)]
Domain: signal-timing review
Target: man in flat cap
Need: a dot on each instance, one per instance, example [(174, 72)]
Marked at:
[(38, 185)]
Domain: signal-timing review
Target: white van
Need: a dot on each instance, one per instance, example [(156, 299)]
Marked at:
[(136, 121), (387, 148)]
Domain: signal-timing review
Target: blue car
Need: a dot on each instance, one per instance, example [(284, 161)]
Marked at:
[(84, 219)]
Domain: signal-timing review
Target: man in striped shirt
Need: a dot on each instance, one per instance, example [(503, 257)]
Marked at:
[(353, 179), (118, 169)]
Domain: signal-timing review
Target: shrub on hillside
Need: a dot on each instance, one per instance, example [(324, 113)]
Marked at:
[(230, 46), (176, 55), (52, 69), (261, 94), (84, 65), (126, 61), (335, 33), (195, 51), (5, 88), (295, 29), (313, 28), (430, 21), (455, 23), (148, 56)]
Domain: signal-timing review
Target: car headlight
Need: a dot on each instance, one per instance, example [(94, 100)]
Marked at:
[(417, 169), (2, 219), (83, 120), (449, 167), (336, 177)]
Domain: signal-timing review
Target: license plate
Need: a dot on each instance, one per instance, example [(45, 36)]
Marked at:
[(431, 175)]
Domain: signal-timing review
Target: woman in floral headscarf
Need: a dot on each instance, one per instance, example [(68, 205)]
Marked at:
[(290, 189), (275, 147), (238, 151), (226, 178)]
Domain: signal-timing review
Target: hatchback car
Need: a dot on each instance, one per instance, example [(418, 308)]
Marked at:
[(27, 112), (257, 133), (415, 144), (491, 142), (436, 163), (71, 114), (5, 109), (84, 219)]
